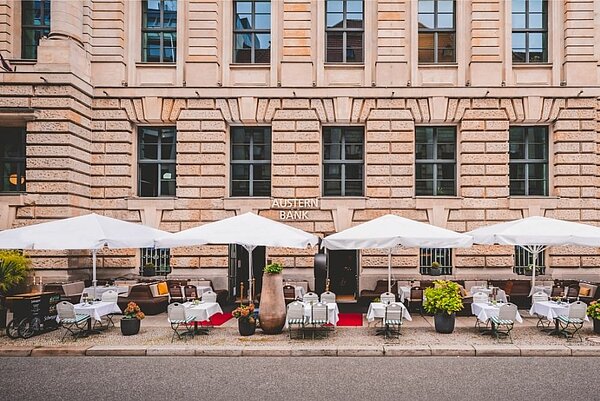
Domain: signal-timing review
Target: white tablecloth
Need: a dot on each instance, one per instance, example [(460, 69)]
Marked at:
[(101, 290), (403, 293), (486, 311), (500, 294), (377, 310), (542, 288), (332, 313), (550, 309), (97, 309), (203, 311)]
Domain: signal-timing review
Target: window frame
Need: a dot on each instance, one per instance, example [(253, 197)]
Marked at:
[(251, 31), (44, 29), (436, 31), (250, 162), (20, 161), (527, 31), (527, 161), (158, 161), (159, 257), (343, 162), (161, 31), (344, 30), (435, 161), (429, 255)]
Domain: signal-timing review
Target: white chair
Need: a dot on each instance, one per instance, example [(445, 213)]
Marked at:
[(392, 320), (480, 298), (310, 298), (573, 321), (295, 316), (177, 318), (110, 296), (318, 317), (73, 323), (209, 296), (543, 321), (505, 318), (328, 297), (387, 298)]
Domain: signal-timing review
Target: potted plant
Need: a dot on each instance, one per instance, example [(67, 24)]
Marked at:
[(130, 324), (272, 302), (14, 269), (443, 301), (246, 320), (528, 271), (593, 311), (435, 269), (149, 270)]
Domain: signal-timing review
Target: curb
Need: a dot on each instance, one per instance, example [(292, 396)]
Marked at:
[(387, 350)]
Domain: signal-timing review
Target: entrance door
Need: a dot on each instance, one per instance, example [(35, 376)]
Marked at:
[(238, 270), (343, 274)]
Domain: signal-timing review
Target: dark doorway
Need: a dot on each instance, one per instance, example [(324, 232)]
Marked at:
[(343, 274), (238, 270)]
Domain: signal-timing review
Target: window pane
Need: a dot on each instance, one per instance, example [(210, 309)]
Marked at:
[(332, 171), (244, 21), (243, 7), (354, 171), (332, 152), (517, 171), (261, 188), (518, 21), (446, 6), (170, 47), (446, 47), (446, 188), (148, 180), (354, 6), (536, 21), (335, 20), (446, 151), (518, 6), (263, 7), (538, 171), (240, 172), (517, 187), (354, 47), (424, 151), (426, 6), (536, 40), (537, 187), (537, 151), (241, 152), (334, 47), (519, 55), (535, 6), (424, 135), (353, 188), (424, 187), (537, 56), (152, 14), (167, 177), (354, 20), (240, 188), (445, 171), (518, 40), (170, 14), (426, 40), (424, 171), (445, 21), (262, 172), (335, 6), (262, 21), (332, 188), (426, 21), (517, 150)]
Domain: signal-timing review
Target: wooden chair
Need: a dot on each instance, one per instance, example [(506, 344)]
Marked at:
[(190, 292), (416, 299), (175, 293), (289, 293)]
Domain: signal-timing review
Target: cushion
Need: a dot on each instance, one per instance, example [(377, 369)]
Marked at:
[(162, 288), (154, 289), (75, 288), (584, 292)]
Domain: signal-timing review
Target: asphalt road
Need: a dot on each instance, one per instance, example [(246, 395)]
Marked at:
[(309, 378)]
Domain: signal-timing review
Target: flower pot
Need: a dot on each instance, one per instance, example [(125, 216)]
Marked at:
[(444, 323), (435, 271), (597, 326), (272, 304), (130, 327), (245, 327)]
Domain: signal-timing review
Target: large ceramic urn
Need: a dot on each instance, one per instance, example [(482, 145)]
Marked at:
[(272, 305)]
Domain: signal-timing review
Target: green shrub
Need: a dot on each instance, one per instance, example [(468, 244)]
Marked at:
[(443, 298), (273, 268), (14, 268)]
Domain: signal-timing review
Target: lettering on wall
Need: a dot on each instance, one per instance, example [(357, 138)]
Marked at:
[(294, 208)]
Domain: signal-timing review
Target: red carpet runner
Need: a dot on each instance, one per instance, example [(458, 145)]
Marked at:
[(220, 318), (350, 319)]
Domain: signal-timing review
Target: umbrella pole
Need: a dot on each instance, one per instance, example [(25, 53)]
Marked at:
[(389, 269), (250, 289), (94, 281)]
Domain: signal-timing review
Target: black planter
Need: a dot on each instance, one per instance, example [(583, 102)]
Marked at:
[(3, 313), (245, 327), (130, 327), (149, 271), (435, 271), (444, 323), (596, 325)]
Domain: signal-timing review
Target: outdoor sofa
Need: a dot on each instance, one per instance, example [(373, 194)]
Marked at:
[(142, 295)]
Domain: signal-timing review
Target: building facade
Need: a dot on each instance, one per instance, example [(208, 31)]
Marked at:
[(318, 113)]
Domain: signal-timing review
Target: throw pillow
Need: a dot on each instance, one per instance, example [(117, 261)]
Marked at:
[(162, 288), (584, 292)]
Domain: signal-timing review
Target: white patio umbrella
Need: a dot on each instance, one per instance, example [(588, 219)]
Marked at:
[(248, 230), (390, 231), (91, 231), (536, 233)]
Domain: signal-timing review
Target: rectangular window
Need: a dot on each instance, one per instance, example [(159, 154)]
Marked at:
[(159, 31), (435, 161), (524, 262), (252, 32), (437, 31), (160, 258), (344, 31), (250, 161), (156, 167), (343, 161), (530, 31), (35, 24), (528, 161), (12, 159), (443, 256)]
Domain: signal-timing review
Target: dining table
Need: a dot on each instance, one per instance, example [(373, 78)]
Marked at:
[(500, 293), (95, 310), (551, 310), (333, 313), (377, 311), (484, 311), (201, 311)]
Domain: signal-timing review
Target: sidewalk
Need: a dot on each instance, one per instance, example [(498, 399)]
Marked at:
[(418, 339)]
